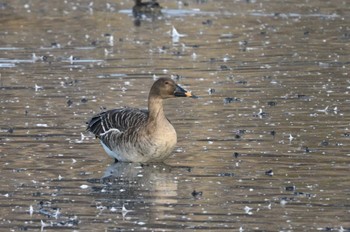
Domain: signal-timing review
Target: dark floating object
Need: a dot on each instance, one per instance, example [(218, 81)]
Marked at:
[(212, 60), (211, 91), (261, 114), (236, 154), (273, 133), (226, 174), (239, 133), (224, 68), (84, 100), (208, 22), (306, 149), (347, 134), (272, 103), (150, 10), (302, 194), (324, 143), (242, 82), (7, 130), (55, 45), (197, 194), (69, 103), (269, 173), (290, 188), (231, 99), (303, 97), (243, 43)]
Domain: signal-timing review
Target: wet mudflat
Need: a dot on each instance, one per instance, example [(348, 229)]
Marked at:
[(265, 147)]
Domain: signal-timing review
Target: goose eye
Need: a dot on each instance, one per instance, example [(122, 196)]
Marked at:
[(166, 82)]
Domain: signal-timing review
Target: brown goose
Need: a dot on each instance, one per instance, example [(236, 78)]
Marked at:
[(136, 135)]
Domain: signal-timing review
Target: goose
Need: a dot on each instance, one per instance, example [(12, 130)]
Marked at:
[(139, 135), (148, 9)]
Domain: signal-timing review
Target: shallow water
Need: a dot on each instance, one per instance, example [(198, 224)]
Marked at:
[(265, 147)]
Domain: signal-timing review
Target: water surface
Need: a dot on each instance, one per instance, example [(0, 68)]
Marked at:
[(265, 147)]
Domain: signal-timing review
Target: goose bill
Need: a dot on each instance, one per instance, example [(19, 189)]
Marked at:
[(180, 92)]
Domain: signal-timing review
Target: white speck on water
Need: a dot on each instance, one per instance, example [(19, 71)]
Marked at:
[(43, 225), (60, 177), (84, 186), (325, 110), (247, 210), (31, 210), (74, 161), (175, 35), (283, 202), (155, 77), (290, 137), (57, 213), (41, 125), (82, 137), (113, 209), (225, 59), (111, 40), (38, 87), (194, 56), (269, 206), (125, 211)]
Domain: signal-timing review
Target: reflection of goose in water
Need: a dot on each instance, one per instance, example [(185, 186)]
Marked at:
[(149, 10), (144, 189)]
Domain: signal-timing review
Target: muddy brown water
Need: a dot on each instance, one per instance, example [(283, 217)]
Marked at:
[(265, 147)]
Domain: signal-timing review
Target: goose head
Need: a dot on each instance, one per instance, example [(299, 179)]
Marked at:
[(167, 88)]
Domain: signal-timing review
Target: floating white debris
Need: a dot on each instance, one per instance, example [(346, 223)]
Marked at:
[(36, 58), (57, 213), (31, 210), (194, 56), (43, 225), (290, 137), (42, 125), (175, 35), (111, 40), (247, 210), (125, 211), (225, 59), (283, 202), (38, 87), (269, 206), (84, 186), (82, 137), (325, 110)]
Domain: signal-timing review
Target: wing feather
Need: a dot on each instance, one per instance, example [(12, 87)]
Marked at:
[(117, 119)]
